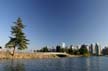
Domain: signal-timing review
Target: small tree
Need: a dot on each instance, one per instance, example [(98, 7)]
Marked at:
[(18, 39)]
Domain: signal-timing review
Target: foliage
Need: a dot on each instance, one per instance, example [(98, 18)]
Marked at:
[(18, 38), (70, 50), (83, 50), (76, 52), (44, 49)]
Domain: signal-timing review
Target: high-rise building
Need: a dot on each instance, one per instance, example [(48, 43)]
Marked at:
[(98, 49), (63, 45), (87, 46), (91, 49), (95, 49)]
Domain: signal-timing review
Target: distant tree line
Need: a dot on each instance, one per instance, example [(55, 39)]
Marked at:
[(83, 50)]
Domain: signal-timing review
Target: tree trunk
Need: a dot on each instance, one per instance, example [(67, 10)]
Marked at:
[(13, 51)]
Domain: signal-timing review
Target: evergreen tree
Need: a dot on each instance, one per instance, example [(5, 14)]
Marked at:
[(18, 39)]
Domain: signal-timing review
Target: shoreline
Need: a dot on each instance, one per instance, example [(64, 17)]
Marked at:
[(37, 55)]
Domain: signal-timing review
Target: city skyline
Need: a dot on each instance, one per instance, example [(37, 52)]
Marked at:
[(51, 22)]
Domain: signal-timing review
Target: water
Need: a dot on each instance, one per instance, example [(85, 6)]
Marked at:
[(62, 64)]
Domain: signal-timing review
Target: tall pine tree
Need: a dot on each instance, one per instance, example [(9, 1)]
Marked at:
[(18, 39)]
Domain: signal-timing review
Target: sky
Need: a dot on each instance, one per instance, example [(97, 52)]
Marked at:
[(51, 22)]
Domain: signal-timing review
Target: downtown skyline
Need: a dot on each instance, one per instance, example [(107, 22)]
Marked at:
[(51, 22)]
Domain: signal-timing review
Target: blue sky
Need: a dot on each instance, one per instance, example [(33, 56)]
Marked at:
[(50, 22)]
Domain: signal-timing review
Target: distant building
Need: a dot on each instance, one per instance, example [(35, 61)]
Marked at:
[(87, 46), (52, 49), (75, 47), (95, 49), (105, 51), (91, 49), (98, 49), (63, 45)]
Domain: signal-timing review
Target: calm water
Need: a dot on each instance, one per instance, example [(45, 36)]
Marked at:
[(63, 64)]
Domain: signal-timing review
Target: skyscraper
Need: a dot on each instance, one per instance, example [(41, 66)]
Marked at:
[(63, 45), (91, 49), (98, 49)]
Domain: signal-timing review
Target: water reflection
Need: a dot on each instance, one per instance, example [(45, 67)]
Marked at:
[(14, 66), (61, 64)]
